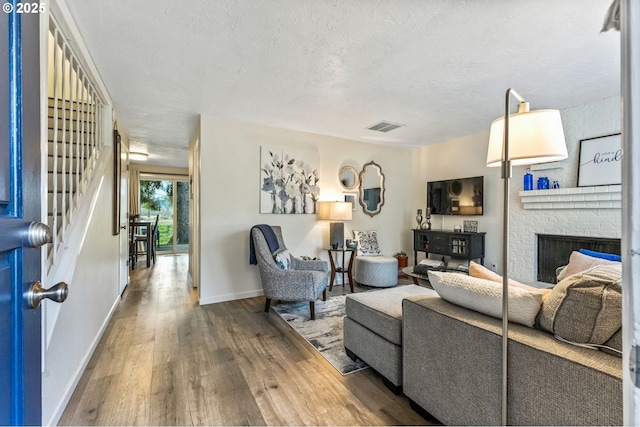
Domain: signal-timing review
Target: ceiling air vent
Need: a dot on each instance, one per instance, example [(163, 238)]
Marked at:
[(385, 126)]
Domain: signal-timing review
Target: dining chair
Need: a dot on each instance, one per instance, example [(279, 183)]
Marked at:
[(155, 239), (140, 240), (133, 253)]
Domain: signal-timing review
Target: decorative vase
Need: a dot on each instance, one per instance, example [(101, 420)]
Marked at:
[(543, 183), (427, 223), (419, 218)]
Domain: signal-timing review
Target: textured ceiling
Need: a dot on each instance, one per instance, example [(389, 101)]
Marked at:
[(440, 67)]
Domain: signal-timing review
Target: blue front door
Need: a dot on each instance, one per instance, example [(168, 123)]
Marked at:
[(20, 342)]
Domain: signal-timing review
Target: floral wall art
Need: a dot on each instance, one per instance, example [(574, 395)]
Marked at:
[(288, 180)]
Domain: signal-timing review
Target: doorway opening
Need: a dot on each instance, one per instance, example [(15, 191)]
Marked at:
[(167, 198)]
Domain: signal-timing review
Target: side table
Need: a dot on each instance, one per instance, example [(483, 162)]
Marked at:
[(415, 276), (341, 268)]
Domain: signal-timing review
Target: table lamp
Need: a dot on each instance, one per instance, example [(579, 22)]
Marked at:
[(335, 211), (524, 138)]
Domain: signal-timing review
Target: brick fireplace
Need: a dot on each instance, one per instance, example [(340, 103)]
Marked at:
[(594, 224)]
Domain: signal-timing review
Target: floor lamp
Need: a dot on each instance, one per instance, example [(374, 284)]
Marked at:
[(523, 138)]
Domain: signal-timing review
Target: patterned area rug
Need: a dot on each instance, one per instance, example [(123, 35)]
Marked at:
[(324, 333)]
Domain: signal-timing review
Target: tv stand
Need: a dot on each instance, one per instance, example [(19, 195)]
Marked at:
[(467, 246)]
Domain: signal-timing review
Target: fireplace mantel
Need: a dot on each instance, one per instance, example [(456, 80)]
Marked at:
[(601, 197)]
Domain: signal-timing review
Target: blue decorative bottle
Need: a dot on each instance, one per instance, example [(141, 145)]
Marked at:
[(528, 180)]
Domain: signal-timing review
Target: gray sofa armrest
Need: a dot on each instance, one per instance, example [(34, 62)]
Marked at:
[(451, 359), (450, 369), (315, 265)]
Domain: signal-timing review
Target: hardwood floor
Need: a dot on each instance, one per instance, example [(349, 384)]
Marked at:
[(165, 360)]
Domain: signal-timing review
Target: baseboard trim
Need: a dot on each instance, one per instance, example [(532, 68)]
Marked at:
[(231, 297), (71, 387)]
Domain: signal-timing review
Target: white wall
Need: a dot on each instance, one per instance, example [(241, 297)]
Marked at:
[(460, 158), (194, 209), (230, 191), (467, 157), (93, 293)]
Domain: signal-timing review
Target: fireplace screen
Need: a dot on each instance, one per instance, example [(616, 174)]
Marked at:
[(554, 251)]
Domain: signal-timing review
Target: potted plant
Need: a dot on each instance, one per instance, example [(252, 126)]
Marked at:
[(403, 259)]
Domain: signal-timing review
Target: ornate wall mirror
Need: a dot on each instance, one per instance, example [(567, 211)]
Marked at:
[(348, 177), (371, 190)]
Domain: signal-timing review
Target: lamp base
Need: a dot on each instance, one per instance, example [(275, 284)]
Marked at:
[(336, 234)]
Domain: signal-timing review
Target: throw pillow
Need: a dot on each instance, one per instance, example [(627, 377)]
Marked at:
[(283, 259), (485, 296), (603, 255), (586, 307), (367, 243), (482, 272), (580, 262)]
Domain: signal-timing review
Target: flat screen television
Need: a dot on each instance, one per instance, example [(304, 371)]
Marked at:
[(462, 196)]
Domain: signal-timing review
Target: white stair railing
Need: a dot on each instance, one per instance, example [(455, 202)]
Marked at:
[(75, 136)]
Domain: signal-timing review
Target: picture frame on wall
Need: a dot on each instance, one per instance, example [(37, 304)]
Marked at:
[(289, 180), (600, 161), (353, 199), (117, 151)]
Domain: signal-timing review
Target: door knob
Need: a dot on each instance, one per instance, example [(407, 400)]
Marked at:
[(38, 234), (36, 294), (123, 227)]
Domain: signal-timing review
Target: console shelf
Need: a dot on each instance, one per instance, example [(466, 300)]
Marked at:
[(448, 243)]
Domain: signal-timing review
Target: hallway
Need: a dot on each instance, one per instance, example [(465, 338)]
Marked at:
[(165, 360)]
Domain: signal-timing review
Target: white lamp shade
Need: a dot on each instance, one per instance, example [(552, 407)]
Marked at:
[(335, 211), (534, 137)]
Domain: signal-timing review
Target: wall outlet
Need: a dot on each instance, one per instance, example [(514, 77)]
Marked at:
[(494, 268)]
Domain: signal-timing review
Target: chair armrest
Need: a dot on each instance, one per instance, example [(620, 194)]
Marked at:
[(316, 265), (293, 285)]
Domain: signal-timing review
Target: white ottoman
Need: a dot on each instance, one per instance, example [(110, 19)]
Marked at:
[(377, 271)]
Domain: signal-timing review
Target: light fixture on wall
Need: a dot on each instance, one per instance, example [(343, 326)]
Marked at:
[(335, 211), (137, 156), (524, 138)]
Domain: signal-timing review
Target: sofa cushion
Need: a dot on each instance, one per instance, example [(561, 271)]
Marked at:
[(482, 272), (579, 262), (367, 242), (586, 307), (381, 311), (485, 296)]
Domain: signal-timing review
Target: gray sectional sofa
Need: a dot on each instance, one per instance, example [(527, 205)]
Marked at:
[(373, 330), (447, 360), (452, 369)]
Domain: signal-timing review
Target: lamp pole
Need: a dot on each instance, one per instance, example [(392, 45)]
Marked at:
[(523, 107), (538, 137)]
